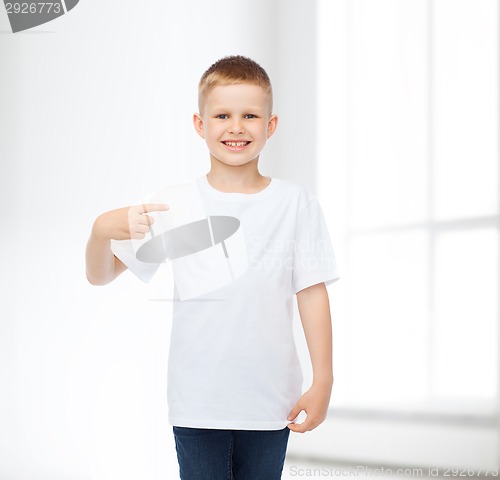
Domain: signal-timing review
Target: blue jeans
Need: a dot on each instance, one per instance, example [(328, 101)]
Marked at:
[(213, 454)]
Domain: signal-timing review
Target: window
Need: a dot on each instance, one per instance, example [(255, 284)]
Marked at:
[(409, 171)]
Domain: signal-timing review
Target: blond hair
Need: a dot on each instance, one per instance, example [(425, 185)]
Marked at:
[(233, 70)]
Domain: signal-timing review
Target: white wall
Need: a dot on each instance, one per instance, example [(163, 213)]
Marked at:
[(95, 113)]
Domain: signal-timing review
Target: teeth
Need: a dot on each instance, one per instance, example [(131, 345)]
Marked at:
[(236, 144)]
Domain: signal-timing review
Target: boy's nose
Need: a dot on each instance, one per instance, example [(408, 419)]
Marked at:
[(236, 127)]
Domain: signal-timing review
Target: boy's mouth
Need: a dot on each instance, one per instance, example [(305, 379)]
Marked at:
[(236, 145)]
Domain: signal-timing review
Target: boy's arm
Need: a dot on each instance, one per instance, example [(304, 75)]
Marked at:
[(314, 309), (102, 266)]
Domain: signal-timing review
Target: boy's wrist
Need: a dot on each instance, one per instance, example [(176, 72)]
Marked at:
[(324, 380)]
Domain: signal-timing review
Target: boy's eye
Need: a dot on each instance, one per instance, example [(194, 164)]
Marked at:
[(224, 116)]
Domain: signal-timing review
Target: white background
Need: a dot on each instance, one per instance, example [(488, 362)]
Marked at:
[(95, 114)]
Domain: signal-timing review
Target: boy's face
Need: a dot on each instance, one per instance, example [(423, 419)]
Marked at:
[(235, 123)]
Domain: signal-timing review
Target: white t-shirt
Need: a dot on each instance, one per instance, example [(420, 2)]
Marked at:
[(237, 261)]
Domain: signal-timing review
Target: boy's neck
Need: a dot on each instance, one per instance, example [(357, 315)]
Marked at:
[(243, 179)]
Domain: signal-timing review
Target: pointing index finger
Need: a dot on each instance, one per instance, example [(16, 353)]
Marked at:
[(151, 207)]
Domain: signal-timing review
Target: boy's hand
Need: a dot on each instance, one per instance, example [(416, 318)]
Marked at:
[(127, 222), (315, 403)]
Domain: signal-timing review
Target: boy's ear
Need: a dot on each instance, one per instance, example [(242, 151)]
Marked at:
[(198, 125), (272, 124)]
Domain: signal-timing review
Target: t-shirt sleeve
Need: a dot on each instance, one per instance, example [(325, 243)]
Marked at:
[(124, 250), (314, 257)]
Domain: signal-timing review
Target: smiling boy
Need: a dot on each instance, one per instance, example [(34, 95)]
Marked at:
[(234, 377)]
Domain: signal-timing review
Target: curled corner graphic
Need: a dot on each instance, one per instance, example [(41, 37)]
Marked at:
[(26, 15)]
